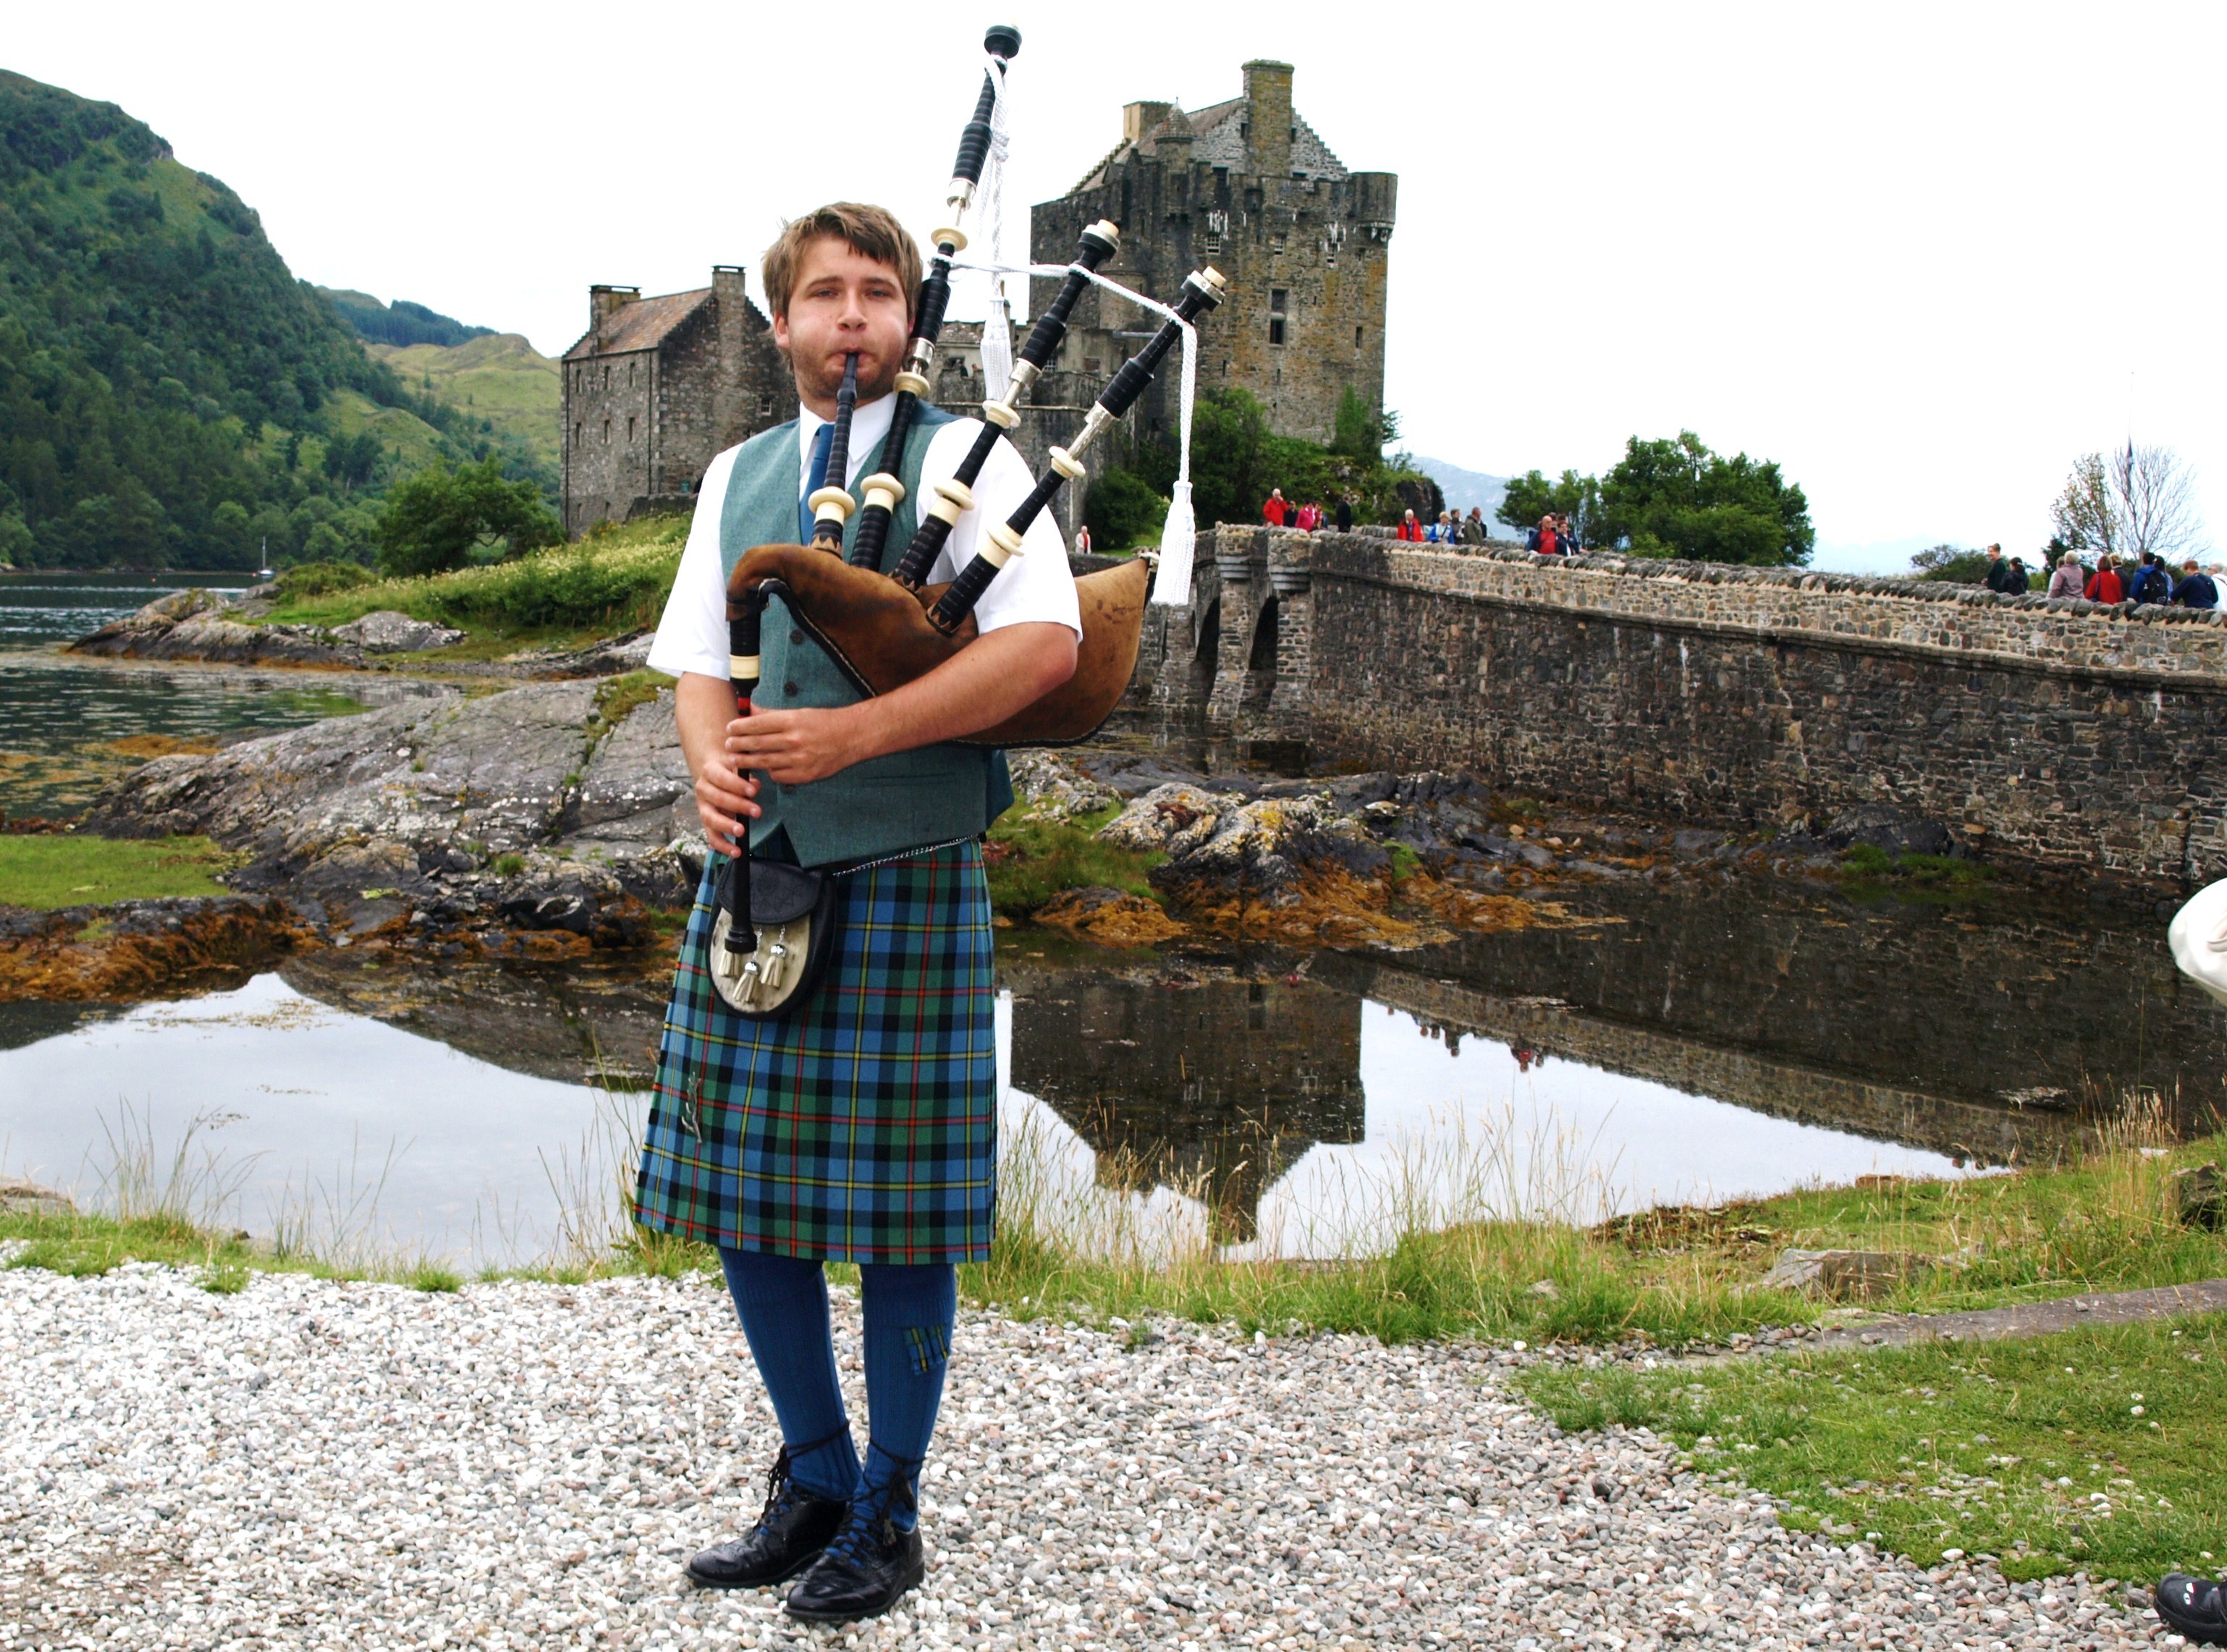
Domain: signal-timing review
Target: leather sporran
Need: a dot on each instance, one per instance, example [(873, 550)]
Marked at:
[(793, 909)]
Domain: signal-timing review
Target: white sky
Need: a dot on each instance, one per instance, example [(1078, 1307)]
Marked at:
[(1920, 254)]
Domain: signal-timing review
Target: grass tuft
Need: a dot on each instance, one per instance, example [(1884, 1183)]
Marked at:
[(1030, 859)]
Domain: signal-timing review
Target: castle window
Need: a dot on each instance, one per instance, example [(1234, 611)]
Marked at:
[(765, 407), (1356, 338), (607, 376), (629, 429), (607, 432), (1275, 329), (1277, 296), (578, 432), (629, 372)]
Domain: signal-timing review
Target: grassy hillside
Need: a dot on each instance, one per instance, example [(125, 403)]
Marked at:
[(500, 383), (169, 394)]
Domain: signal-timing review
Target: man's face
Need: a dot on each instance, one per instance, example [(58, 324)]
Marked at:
[(843, 301)]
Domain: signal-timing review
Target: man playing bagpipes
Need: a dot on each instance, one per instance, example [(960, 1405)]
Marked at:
[(849, 657), (861, 1126)]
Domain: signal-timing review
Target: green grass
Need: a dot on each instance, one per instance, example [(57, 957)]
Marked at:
[(1931, 880), (617, 697), (1995, 1448), (1030, 860), (62, 869), (611, 581)]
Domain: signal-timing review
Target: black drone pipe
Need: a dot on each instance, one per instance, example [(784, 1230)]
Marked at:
[(956, 497), (883, 490), (1002, 542)]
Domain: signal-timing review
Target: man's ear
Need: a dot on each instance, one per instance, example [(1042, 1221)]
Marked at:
[(781, 331)]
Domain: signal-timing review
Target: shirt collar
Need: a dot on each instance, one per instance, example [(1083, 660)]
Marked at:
[(869, 423)]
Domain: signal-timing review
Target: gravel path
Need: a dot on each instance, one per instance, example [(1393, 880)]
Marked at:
[(310, 1464)]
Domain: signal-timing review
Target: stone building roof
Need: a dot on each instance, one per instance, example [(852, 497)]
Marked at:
[(1218, 139), (641, 324)]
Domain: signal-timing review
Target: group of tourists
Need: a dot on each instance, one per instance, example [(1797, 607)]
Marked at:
[(2144, 578), (1308, 517), (1451, 528), (1555, 536)]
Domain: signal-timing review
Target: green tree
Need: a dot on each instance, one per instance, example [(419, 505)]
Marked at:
[(1951, 564), (1358, 434), (1676, 498), (433, 521), (1123, 511)]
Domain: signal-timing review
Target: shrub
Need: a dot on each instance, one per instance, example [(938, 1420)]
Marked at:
[(1123, 511), (321, 579)]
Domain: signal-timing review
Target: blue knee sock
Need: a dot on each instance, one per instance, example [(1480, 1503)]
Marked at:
[(783, 1303), (909, 1311)]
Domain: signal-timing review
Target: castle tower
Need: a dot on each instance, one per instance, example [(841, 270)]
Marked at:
[(1248, 187)]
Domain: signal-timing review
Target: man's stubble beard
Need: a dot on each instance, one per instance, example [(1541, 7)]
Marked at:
[(885, 381)]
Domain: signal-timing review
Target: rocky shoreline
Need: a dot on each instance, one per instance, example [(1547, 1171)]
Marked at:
[(551, 820), (203, 627)]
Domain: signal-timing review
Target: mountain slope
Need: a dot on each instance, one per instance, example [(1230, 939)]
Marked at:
[(1464, 489), (401, 323), (500, 385), (168, 393)]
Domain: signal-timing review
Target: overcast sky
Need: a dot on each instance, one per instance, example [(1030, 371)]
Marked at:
[(1920, 255)]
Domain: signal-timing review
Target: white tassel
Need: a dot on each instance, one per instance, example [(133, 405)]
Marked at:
[(997, 326), (1178, 540)]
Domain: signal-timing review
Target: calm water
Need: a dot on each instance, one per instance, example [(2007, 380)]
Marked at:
[(62, 716), (285, 1111)]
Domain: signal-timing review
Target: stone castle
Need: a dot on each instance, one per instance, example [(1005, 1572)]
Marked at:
[(657, 386)]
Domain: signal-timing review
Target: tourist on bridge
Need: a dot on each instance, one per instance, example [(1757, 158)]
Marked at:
[(2106, 586), (1275, 511), (2151, 583), (2069, 579), (1410, 528), (1473, 531), (2195, 589), (1345, 513)]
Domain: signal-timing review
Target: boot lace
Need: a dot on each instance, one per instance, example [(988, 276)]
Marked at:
[(871, 1524)]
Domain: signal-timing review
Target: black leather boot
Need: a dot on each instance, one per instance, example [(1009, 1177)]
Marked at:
[(868, 1566), (2195, 1607), (791, 1532)]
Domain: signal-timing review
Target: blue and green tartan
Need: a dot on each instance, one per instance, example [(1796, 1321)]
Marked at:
[(861, 1126)]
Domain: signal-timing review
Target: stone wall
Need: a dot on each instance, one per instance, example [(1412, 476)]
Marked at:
[(2056, 731)]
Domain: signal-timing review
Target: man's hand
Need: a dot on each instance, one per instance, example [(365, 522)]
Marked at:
[(723, 801), (795, 747)]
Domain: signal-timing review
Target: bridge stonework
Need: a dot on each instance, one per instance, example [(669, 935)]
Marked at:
[(2054, 732)]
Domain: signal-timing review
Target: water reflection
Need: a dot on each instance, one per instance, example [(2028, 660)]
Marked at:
[(1144, 1111)]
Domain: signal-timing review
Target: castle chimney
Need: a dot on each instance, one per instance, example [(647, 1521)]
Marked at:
[(728, 291), (1268, 120), (1137, 119), (602, 301)]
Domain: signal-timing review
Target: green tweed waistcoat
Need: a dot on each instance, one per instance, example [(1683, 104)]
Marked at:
[(931, 794)]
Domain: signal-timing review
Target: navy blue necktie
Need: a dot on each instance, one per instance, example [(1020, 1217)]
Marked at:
[(816, 479)]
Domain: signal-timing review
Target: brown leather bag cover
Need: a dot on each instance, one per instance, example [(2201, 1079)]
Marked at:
[(878, 634)]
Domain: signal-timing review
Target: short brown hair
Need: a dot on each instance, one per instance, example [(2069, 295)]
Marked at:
[(870, 231)]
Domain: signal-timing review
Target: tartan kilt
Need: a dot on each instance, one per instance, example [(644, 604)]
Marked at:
[(861, 1126)]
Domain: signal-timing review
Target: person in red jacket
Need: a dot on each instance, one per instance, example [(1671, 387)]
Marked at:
[(2106, 586), (1410, 528), (1547, 538), (1275, 510)]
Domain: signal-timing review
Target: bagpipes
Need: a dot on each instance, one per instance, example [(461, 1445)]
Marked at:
[(884, 630)]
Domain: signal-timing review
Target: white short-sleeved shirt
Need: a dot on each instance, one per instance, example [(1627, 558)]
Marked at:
[(1036, 585)]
